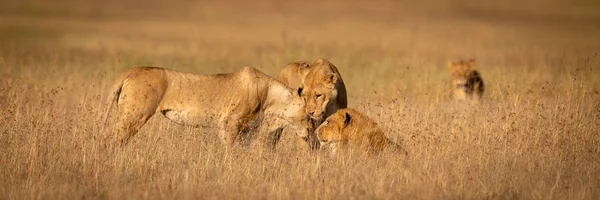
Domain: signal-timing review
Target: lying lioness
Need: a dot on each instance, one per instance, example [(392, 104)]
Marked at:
[(348, 127), (226, 100)]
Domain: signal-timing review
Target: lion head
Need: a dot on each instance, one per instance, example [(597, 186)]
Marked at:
[(330, 131), (319, 88), (289, 111)]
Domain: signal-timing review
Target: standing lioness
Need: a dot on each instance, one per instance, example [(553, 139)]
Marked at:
[(348, 127), (227, 100), (323, 90)]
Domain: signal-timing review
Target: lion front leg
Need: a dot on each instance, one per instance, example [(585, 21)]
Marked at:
[(309, 143), (268, 135), (273, 138), (229, 131)]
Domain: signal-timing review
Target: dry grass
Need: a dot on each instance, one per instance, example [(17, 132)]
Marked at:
[(535, 136)]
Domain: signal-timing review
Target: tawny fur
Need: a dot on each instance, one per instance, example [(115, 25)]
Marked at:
[(226, 101), (294, 73), (467, 83), (350, 128)]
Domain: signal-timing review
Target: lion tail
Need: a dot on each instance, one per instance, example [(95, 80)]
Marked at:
[(115, 91)]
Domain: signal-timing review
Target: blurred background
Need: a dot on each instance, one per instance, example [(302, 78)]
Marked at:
[(386, 38)]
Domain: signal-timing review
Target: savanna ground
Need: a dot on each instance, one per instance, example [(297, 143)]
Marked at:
[(535, 135)]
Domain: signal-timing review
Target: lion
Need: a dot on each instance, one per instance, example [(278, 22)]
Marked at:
[(467, 82), (322, 88), (349, 127), (293, 74), (226, 100)]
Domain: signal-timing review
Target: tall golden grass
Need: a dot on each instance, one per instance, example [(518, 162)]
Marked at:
[(534, 136)]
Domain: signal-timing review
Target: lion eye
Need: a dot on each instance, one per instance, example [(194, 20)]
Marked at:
[(319, 96)]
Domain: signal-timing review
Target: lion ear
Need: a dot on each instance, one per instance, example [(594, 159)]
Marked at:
[(451, 64), (304, 64), (471, 63), (347, 119), (331, 79), (321, 61)]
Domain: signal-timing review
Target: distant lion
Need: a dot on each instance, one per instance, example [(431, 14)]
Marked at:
[(226, 100), (350, 128), (467, 82), (322, 89)]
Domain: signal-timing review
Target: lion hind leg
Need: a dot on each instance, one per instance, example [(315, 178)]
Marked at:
[(128, 126), (133, 115)]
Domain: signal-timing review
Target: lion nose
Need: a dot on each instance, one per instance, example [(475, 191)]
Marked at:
[(312, 113)]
